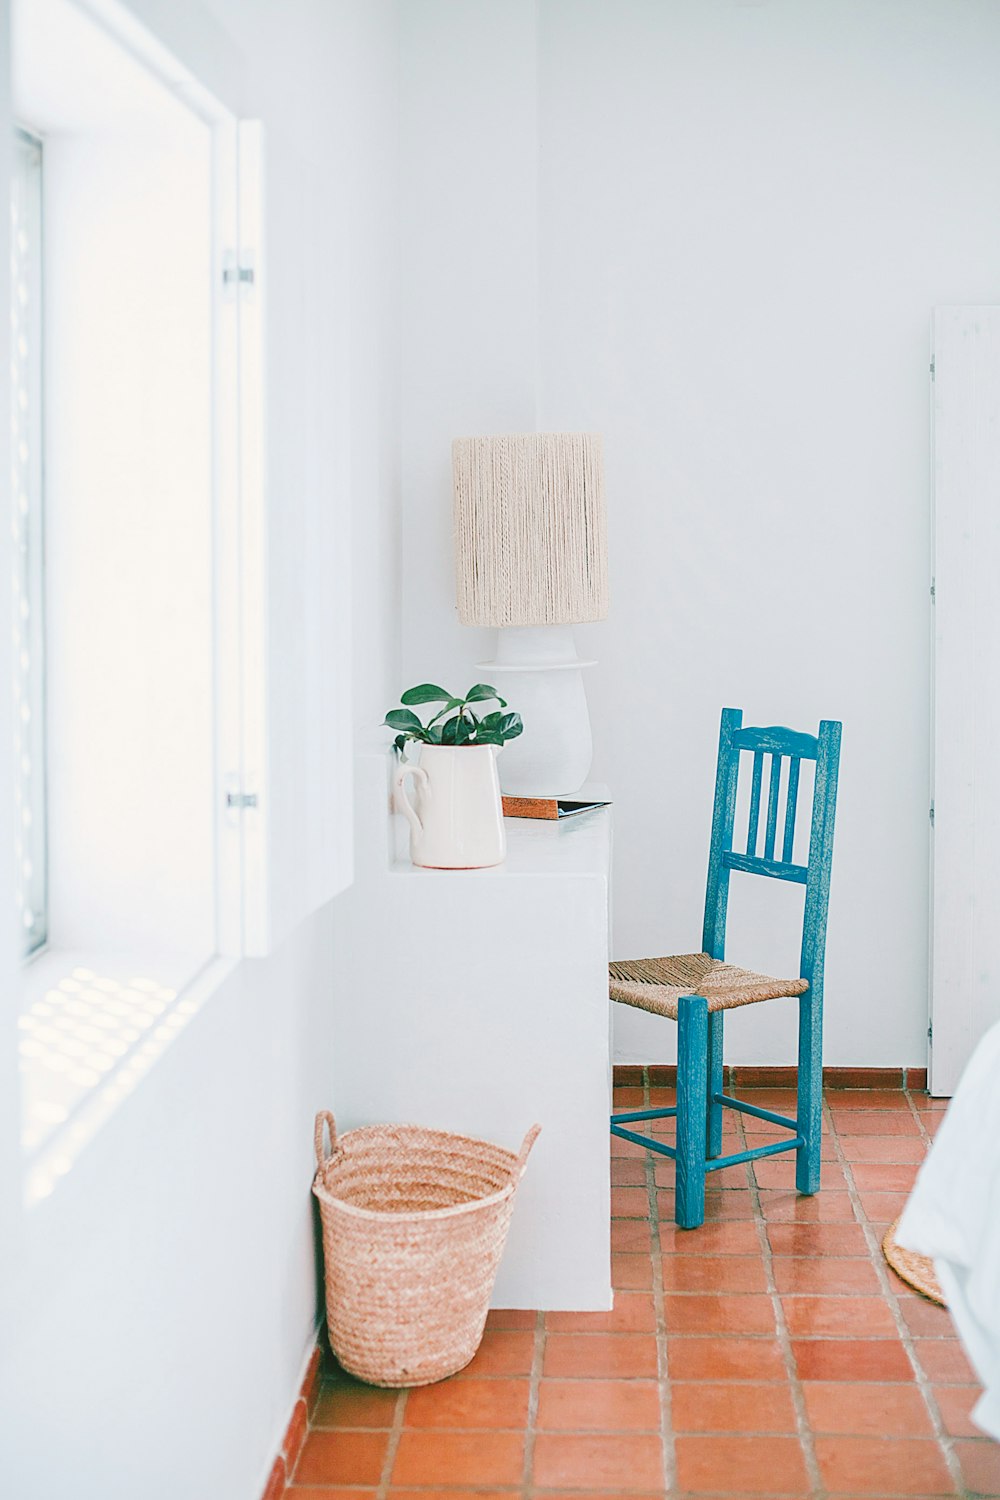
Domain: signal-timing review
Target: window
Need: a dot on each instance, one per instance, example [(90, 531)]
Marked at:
[(28, 535), (116, 749), (193, 806)]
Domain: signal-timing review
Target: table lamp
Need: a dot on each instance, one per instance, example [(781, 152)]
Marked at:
[(531, 559)]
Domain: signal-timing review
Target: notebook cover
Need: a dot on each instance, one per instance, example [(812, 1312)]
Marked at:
[(548, 808), (530, 807)]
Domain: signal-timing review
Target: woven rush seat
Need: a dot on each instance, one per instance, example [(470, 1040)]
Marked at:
[(656, 984)]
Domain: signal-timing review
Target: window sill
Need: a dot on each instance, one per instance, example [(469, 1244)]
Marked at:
[(91, 1028)]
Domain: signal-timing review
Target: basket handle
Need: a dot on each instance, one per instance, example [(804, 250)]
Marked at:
[(526, 1145), (324, 1119)]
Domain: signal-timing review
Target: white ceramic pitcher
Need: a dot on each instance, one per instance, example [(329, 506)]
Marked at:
[(456, 819)]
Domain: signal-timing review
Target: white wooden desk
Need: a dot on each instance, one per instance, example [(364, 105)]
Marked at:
[(479, 1003)]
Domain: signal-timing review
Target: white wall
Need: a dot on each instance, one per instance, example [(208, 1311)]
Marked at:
[(323, 74), (469, 285), (167, 1291), (733, 222), (159, 1305)]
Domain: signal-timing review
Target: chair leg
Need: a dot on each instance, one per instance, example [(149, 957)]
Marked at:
[(810, 1092), (692, 1110), (715, 1032)]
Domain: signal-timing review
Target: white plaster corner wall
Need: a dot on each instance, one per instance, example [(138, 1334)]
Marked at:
[(469, 287), (168, 1294), (178, 1257), (740, 218)]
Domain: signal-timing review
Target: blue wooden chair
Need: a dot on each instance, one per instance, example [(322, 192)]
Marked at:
[(696, 989)]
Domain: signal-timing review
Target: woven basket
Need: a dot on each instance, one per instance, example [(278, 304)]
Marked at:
[(414, 1224), (916, 1270)]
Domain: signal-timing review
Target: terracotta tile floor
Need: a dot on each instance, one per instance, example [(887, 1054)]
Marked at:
[(770, 1353)]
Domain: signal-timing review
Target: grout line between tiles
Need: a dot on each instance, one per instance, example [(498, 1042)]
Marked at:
[(537, 1362), (925, 1134), (667, 1444), (803, 1429), (922, 1382), (395, 1433)]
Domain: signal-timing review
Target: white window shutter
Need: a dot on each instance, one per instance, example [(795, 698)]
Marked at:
[(295, 551)]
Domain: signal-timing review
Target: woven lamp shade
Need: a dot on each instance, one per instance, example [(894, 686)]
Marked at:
[(530, 529)]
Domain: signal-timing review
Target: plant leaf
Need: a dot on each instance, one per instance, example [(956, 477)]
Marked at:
[(510, 726), (401, 718), (458, 731), (491, 721), (434, 734), (425, 692), (481, 692), (399, 743), (451, 703)]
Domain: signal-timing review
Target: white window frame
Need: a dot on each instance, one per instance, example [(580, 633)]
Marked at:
[(239, 563), (28, 528), (240, 551)]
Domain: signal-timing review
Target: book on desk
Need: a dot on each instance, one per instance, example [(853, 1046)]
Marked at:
[(550, 808)]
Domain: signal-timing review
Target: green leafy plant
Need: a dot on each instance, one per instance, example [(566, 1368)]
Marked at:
[(455, 723)]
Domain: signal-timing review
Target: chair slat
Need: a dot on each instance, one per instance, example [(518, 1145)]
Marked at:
[(780, 741), (713, 936), (791, 803), (754, 865), (758, 769), (772, 807)]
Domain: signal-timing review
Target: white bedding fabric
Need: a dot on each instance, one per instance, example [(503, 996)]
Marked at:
[(953, 1215)]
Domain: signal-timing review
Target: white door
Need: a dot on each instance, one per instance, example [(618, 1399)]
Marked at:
[(965, 839)]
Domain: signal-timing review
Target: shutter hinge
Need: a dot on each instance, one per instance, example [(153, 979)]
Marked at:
[(238, 800), (933, 588), (930, 1032), (930, 814), (239, 272), (932, 369)]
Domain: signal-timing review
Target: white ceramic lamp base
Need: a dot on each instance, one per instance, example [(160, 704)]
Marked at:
[(537, 670)]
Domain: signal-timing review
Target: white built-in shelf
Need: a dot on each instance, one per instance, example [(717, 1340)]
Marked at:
[(479, 1003)]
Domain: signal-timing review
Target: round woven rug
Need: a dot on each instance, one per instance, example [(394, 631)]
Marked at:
[(916, 1270)]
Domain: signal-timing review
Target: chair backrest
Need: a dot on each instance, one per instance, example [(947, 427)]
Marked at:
[(776, 861)]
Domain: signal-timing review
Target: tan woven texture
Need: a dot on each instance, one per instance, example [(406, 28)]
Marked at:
[(916, 1270), (530, 529), (414, 1224), (656, 984)]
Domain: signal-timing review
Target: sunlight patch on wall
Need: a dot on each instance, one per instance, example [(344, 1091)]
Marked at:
[(85, 1044)]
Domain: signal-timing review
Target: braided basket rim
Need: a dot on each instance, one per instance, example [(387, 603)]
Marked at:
[(417, 1215)]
